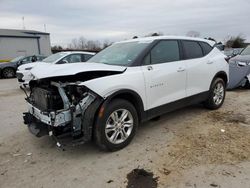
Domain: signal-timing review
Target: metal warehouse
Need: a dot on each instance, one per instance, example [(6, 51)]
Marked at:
[(15, 43)]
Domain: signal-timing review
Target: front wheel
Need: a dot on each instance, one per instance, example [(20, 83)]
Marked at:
[(117, 126), (217, 94)]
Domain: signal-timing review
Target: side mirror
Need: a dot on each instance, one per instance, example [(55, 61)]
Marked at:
[(19, 63)]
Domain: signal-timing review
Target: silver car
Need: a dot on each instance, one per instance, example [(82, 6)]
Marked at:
[(239, 70)]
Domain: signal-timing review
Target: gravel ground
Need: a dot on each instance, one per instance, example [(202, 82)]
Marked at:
[(191, 147)]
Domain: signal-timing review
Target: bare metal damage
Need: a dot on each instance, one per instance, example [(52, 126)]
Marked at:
[(62, 106), (77, 118), (64, 116)]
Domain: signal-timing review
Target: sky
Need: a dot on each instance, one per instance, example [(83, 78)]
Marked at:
[(115, 20)]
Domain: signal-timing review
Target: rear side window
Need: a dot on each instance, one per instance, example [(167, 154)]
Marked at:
[(192, 49), (206, 48), (164, 51)]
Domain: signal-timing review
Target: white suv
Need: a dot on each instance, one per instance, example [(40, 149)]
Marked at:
[(127, 83)]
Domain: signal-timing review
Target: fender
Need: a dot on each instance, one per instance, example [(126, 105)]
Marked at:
[(129, 95)]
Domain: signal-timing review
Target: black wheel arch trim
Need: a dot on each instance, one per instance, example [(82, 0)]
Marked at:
[(221, 74), (130, 96)]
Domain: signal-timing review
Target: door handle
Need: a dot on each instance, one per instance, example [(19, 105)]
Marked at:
[(150, 68), (180, 69), (242, 64), (210, 62)]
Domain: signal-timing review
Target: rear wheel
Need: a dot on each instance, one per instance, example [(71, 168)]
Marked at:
[(217, 94), (117, 126), (8, 73)]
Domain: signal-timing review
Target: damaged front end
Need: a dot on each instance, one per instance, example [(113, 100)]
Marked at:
[(61, 110)]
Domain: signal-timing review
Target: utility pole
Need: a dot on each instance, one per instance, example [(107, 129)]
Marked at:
[(23, 23), (44, 27)]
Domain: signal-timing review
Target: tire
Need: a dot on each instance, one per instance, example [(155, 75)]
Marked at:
[(8, 73), (109, 134), (217, 94), (247, 85)]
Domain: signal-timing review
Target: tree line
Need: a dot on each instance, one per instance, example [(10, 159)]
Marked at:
[(81, 43)]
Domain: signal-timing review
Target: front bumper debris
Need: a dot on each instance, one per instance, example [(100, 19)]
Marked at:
[(54, 119), (74, 122)]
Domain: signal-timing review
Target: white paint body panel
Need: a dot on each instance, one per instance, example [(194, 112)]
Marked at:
[(201, 71), (131, 79), (43, 71), (165, 82)]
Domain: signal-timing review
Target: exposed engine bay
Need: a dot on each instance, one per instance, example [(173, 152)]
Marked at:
[(61, 109)]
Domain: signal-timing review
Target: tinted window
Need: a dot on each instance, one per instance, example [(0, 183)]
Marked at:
[(165, 51), (26, 60), (206, 48), (192, 49), (73, 58), (87, 57)]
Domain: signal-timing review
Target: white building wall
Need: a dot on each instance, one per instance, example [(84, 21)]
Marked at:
[(45, 47), (11, 47)]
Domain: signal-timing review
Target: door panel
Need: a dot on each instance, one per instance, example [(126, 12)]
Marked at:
[(198, 75), (199, 68), (165, 83)]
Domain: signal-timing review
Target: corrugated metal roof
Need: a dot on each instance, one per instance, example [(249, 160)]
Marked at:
[(21, 33)]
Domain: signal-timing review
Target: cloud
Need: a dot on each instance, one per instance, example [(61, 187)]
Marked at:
[(121, 19)]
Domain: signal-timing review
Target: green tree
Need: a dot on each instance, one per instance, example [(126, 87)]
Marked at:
[(236, 42)]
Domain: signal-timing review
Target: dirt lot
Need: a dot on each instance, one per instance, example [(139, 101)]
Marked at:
[(191, 147)]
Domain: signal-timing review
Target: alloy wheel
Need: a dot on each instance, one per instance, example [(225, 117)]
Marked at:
[(119, 126)]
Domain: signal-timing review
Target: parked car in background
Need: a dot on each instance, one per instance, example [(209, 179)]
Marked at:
[(231, 52), (23, 72), (127, 83), (8, 69), (239, 70)]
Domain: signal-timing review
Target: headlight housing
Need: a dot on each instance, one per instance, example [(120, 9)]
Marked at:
[(28, 68)]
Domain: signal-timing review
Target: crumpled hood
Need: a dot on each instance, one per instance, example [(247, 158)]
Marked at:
[(28, 65), (54, 70)]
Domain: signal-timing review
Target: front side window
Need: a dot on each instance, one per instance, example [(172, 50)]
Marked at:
[(163, 52), (192, 50), (123, 54), (26, 60)]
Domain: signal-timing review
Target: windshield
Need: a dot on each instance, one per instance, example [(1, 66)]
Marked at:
[(246, 51), (120, 53), (54, 57), (17, 59)]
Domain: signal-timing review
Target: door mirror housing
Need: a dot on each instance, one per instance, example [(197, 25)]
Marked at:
[(19, 63)]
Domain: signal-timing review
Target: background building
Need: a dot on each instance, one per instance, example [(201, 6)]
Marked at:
[(14, 43)]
